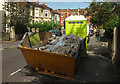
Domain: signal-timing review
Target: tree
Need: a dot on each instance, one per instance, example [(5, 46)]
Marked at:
[(104, 15), (17, 17)]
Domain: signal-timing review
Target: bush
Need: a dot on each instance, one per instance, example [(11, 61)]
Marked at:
[(45, 27), (109, 27)]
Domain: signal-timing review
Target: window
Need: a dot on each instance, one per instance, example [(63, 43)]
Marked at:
[(41, 14), (77, 22), (69, 22), (62, 15), (36, 12), (55, 17), (31, 13), (46, 13), (41, 10), (36, 21), (50, 15), (81, 22), (62, 21), (73, 22)]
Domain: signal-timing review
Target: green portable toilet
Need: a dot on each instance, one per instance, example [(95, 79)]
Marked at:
[(77, 25)]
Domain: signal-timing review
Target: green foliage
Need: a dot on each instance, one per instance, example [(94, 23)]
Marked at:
[(20, 30), (5, 36), (45, 27), (104, 15), (18, 16), (109, 27), (18, 12)]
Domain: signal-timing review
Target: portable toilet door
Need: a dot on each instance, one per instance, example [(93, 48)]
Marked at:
[(76, 25)]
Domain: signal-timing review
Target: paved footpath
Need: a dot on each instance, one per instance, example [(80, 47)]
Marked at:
[(9, 44)]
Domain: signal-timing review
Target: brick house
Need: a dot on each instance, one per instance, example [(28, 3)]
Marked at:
[(64, 13)]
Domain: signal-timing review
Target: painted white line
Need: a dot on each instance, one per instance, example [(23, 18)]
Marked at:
[(15, 72)]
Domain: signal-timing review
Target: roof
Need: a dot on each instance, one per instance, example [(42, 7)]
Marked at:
[(73, 10), (70, 10), (62, 10), (55, 12), (45, 6), (40, 5), (35, 4), (79, 17)]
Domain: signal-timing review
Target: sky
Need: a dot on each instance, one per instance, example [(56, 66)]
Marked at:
[(66, 5)]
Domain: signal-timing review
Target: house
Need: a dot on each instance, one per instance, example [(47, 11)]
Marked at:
[(64, 13), (56, 16), (41, 13)]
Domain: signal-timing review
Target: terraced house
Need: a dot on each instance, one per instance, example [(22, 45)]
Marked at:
[(64, 13), (41, 13)]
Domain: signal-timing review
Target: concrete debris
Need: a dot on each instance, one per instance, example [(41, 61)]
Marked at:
[(66, 44)]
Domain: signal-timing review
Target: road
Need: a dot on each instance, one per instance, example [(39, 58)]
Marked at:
[(96, 67), (12, 60)]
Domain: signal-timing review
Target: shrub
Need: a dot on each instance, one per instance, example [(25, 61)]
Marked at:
[(45, 27), (109, 27)]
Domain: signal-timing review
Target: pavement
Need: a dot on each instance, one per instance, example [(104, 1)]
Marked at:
[(9, 44), (96, 67)]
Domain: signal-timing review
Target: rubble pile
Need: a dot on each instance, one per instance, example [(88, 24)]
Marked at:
[(66, 44)]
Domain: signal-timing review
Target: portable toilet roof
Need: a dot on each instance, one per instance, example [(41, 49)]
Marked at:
[(76, 17)]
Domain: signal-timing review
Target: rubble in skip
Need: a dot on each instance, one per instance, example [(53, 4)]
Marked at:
[(66, 44)]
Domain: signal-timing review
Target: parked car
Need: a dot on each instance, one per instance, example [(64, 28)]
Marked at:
[(55, 32)]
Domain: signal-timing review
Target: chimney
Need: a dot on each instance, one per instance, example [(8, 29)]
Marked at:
[(44, 3), (37, 1), (78, 9), (58, 9), (68, 10)]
